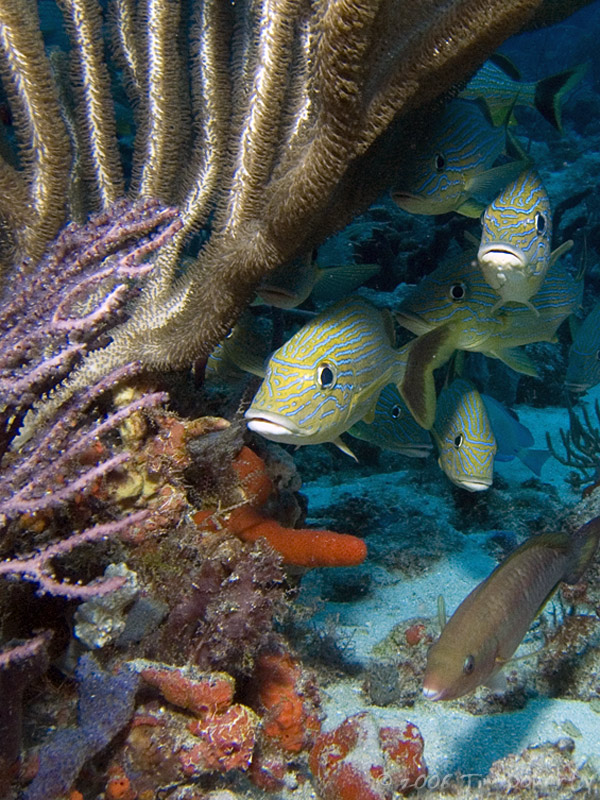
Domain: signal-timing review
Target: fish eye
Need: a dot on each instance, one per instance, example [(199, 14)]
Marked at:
[(540, 223), (597, 355), (439, 162), (458, 440), (458, 291), (469, 665), (396, 412), (325, 376)]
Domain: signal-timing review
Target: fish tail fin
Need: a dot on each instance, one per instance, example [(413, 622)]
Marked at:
[(426, 353), (550, 91), (584, 543), (534, 459)]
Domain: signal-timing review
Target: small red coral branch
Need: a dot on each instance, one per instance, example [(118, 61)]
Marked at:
[(302, 547)]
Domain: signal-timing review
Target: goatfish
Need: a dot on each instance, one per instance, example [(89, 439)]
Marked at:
[(327, 376), (464, 437), (514, 252), (393, 427), (452, 170), (499, 85), (291, 284), (583, 367), (490, 623), (514, 440), (453, 308)]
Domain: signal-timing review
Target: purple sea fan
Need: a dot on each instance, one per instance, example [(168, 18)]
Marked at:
[(52, 314)]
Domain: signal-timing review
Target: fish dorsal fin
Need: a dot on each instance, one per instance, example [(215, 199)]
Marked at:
[(516, 359), (335, 282), (426, 353), (584, 543), (506, 65), (490, 182), (471, 208), (441, 610), (560, 251)]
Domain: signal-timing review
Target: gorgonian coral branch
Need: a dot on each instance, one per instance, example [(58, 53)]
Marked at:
[(59, 310)]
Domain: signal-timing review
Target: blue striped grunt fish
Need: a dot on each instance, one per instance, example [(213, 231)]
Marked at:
[(453, 169), (464, 437), (453, 308), (514, 253), (393, 427), (488, 626), (327, 376), (499, 85), (583, 368)]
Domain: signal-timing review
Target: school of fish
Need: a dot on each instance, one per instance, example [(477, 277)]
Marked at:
[(342, 372)]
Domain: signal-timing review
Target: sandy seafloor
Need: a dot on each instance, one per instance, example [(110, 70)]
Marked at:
[(455, 741)]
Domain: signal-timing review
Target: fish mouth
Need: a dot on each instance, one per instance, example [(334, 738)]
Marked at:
[(276, 427), (475, 484), (433, 694), (407, 200), (501, 256), (276, 296)]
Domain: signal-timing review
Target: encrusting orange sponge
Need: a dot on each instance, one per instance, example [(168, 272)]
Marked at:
[(303, 547)]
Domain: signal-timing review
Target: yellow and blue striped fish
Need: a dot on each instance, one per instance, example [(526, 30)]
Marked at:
[(464, 437), (452, 170), (583, 368), (514, 253), (498, 84), (327, 376), (393, 427), (454, 308)]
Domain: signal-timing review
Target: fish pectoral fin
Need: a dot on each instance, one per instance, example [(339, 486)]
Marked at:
[(426, 353), (516, 359), (471, 208), (497, 680), (335, 282), (490, 182), (344, 448), (560, 251)]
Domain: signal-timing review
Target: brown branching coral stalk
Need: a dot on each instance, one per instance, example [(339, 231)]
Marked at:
[(260, 119), (32, 200), (362, 63)]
